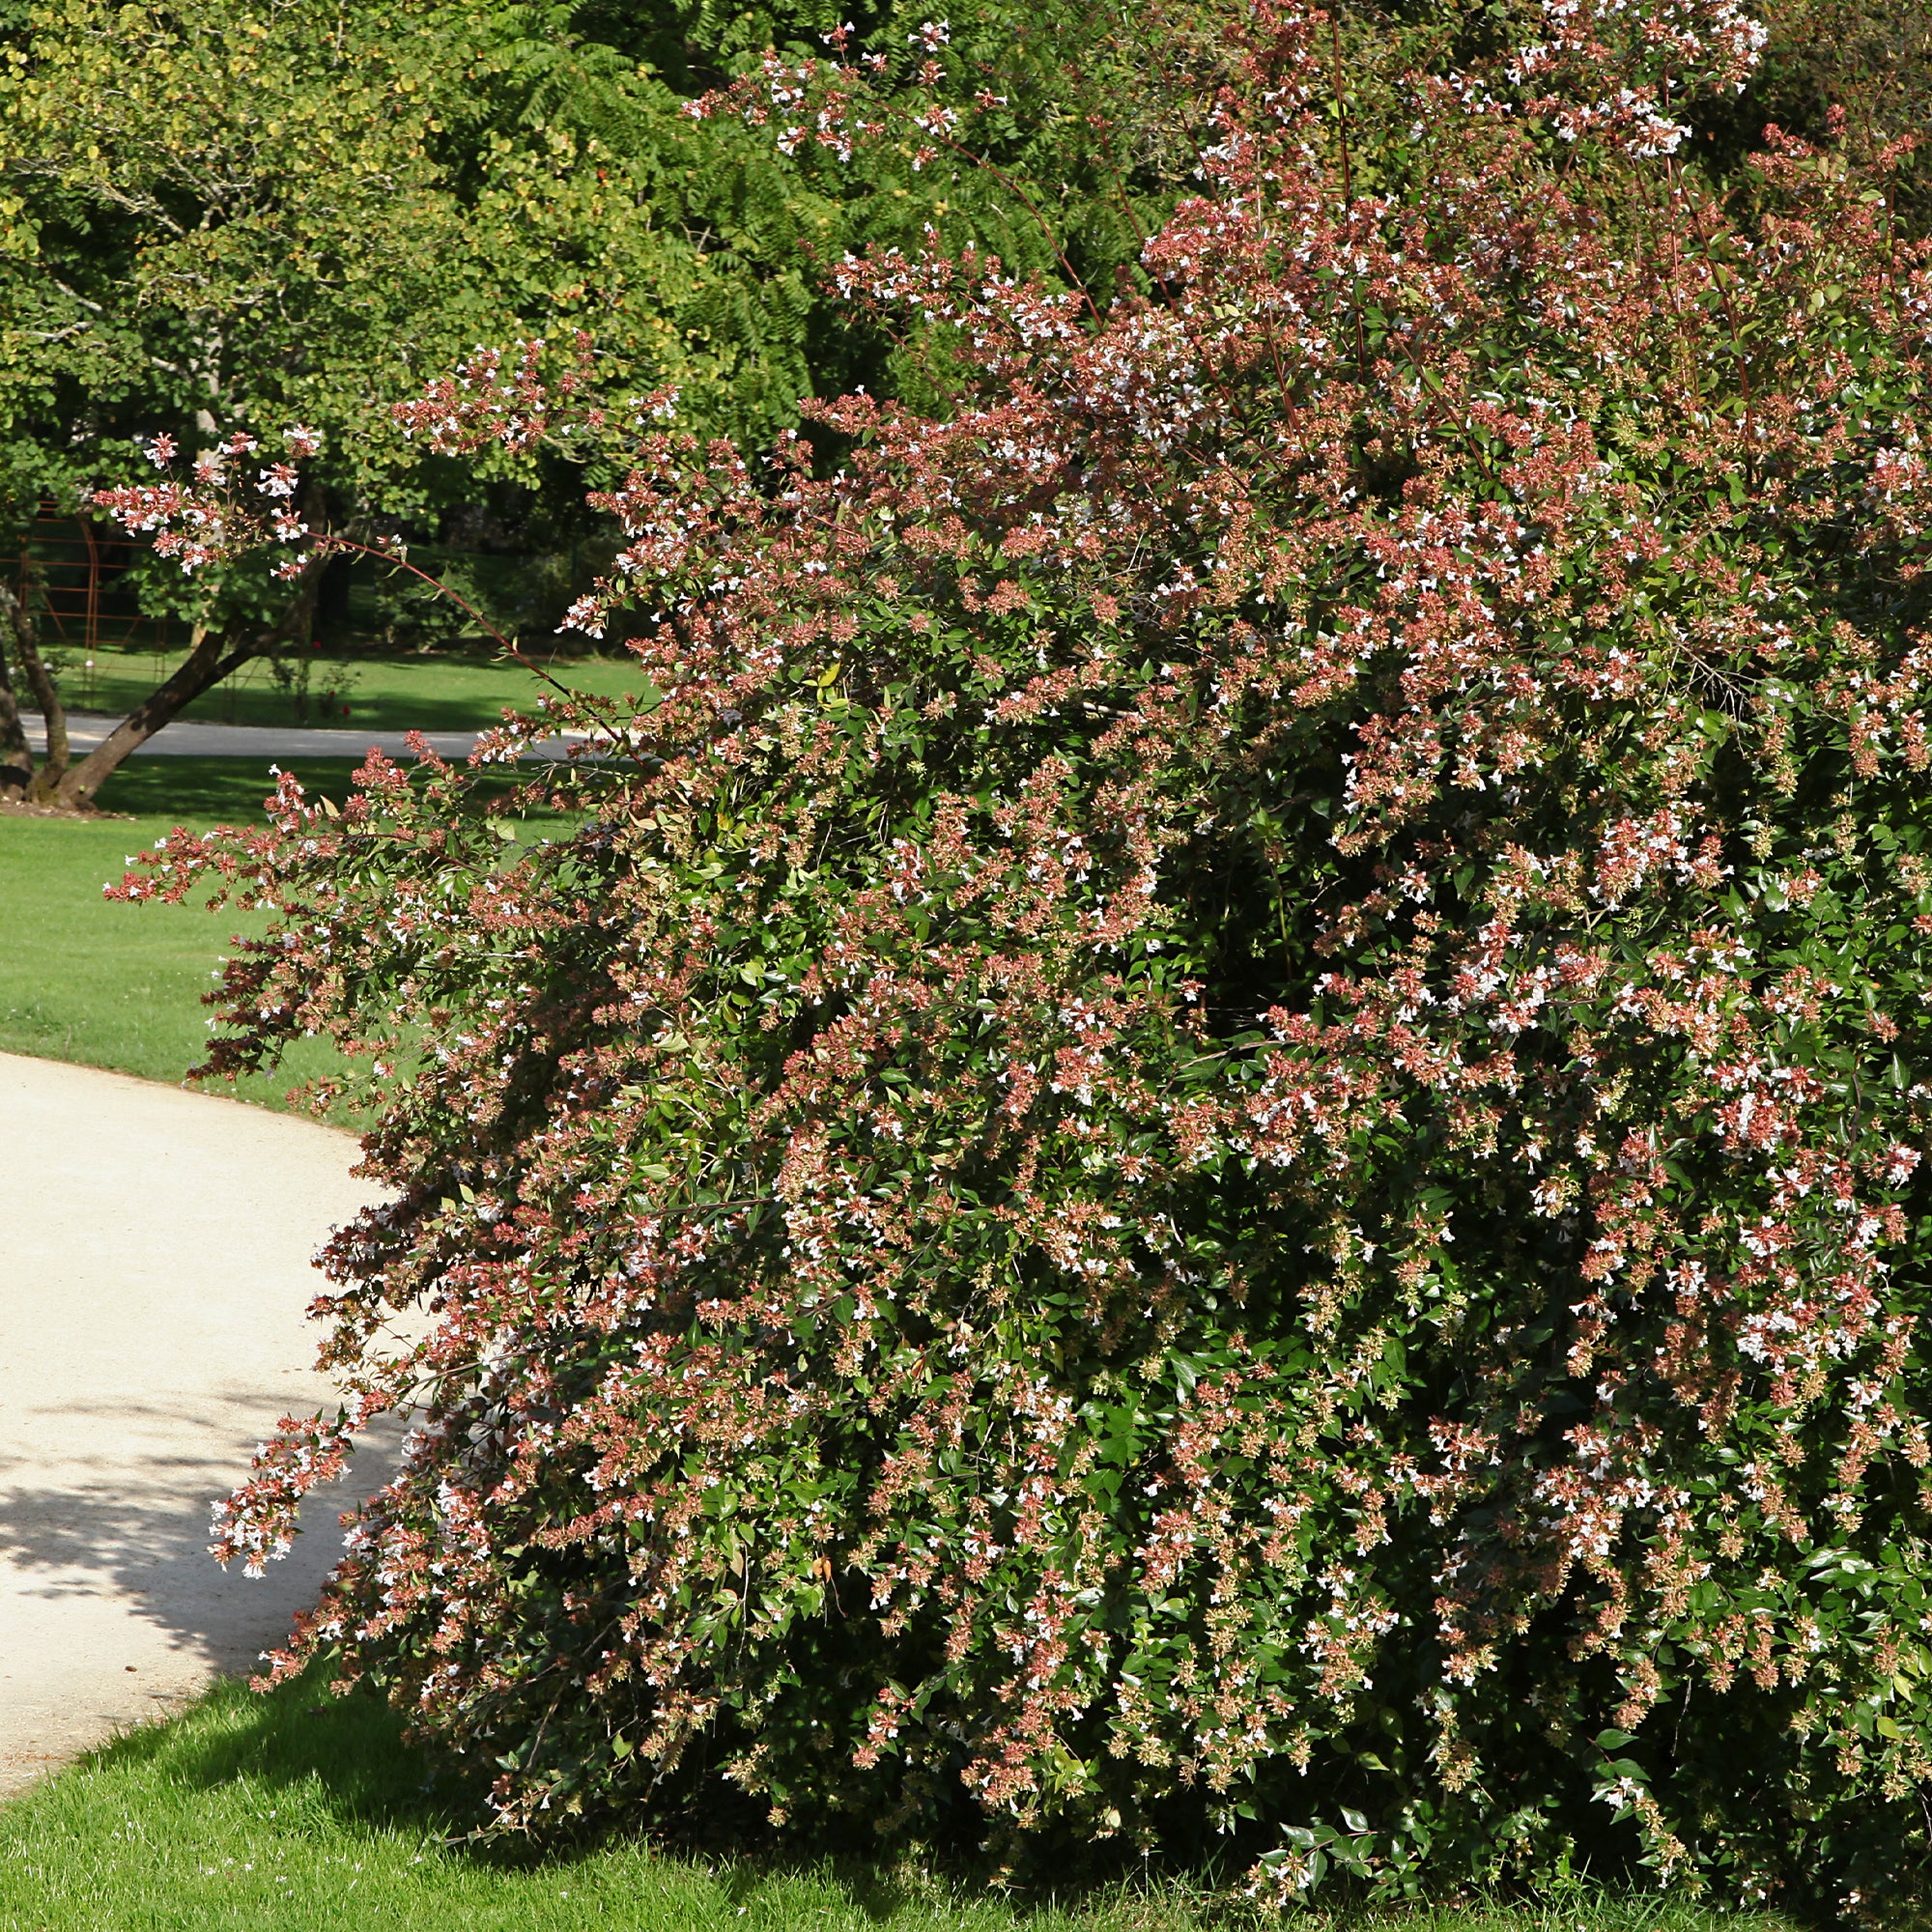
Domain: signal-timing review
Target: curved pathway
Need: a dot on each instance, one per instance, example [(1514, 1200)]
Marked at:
[(154, 1274)]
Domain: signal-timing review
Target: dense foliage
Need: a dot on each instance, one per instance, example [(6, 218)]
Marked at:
[(221, 219), (256, 211), (1215, 1135)]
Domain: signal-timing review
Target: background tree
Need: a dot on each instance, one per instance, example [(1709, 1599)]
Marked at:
[(247, 215), (244, 215)]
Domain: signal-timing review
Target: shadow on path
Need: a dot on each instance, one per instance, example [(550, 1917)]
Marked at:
[(140, 1534)]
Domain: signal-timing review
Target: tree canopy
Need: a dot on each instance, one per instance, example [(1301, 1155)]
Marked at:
[(242, 217)]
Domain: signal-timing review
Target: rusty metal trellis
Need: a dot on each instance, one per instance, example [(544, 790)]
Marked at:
[(74, 570)]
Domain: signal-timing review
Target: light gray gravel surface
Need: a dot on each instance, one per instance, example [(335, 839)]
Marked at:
[(152, 1304), (187, 738)]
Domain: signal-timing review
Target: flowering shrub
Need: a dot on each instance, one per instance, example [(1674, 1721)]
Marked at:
[(1214, 1134)]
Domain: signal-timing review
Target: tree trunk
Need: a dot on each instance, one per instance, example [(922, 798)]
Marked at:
[(16, 757), (19, 621), (204, 668)]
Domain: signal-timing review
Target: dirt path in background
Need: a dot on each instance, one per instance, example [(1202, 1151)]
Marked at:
[(155, 1270)]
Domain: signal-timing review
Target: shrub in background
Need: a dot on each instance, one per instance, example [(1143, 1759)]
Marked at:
[(1213, 1144)]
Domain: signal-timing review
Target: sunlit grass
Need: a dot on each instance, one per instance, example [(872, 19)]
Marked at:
[(88, 980), (305, 1812), (384, 693), (104, 983)]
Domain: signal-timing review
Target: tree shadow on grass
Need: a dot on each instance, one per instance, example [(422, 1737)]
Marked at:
[(346, 1756), (205, 791), (350, 1751)]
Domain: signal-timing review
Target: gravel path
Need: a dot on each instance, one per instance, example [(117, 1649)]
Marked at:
[(157, 1250), (189, 738)]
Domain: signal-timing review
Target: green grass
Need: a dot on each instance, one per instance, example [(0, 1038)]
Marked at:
[(304, 1812), (429, 693), (202, 792), (89, 980)]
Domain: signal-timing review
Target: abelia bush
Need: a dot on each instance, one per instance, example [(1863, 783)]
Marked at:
[(1212, 1139)]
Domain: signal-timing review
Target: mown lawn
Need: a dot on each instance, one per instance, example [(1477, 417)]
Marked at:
[(304, 1812), (201, 792), (442, 692), (93, 980), (89, 980)]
